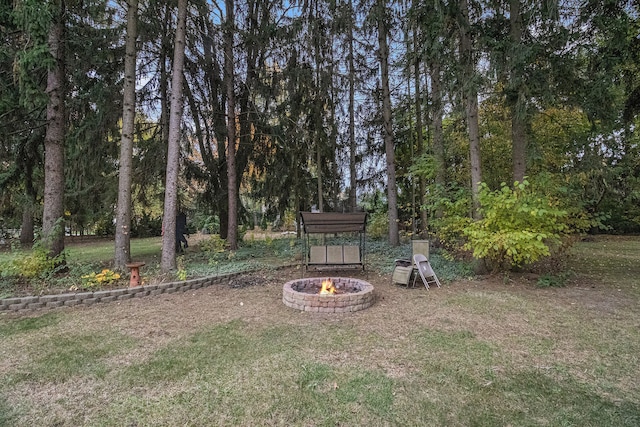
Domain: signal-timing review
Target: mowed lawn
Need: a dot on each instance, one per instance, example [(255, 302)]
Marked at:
[(494, 351)]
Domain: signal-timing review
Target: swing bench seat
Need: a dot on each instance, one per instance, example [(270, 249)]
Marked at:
[(338, 256)]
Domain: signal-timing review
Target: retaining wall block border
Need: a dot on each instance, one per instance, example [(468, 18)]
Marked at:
[(31, 303)]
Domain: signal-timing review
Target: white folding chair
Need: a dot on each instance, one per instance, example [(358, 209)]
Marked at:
[(424, 269)]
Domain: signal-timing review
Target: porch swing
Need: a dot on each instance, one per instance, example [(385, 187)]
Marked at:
[(334, 240)]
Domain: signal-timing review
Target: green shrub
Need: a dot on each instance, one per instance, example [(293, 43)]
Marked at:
[(181, 273), (31, 265), (146, 226), (289, 220), (554, 280), (214, 248), (517, 227), (95, 280), (450, 227), (8, 269), (105, 227), (378, 225), (214, 244), (208, 224)]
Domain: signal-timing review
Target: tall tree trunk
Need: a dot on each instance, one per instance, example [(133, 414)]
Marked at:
[(412, 133), (232, 225), (392, 196), (438, 135), (53, 213), (123, 214), (518, 115), (168, 260), (164, 78), (298, 208), (248, 113), (218, 171), (336, 176), (474, 151), (318, 97), (519, 138), (319, 171), (422, 187), (470, 99), (27, 229), (353, 178)]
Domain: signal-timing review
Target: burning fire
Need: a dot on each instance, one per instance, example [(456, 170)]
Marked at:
[(327, 287)]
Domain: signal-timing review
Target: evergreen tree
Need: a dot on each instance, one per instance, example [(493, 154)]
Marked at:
[(383, 56), (168, 260), (22, 108), (123, 217), (469, 81), (232, 187), (53, 214)]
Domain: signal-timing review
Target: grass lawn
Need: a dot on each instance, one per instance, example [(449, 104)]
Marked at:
[(484, 352)]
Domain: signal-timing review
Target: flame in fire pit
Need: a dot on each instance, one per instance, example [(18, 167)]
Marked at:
[(327, 287)]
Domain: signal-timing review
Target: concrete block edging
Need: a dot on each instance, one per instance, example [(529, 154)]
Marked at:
[(46, 302)]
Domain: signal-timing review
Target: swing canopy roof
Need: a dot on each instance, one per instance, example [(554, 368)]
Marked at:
[(332, 222)]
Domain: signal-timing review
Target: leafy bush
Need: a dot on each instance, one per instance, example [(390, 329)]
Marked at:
[(214, 248), (32, 265), (181, 274), (105, 227), (268, 248), (378, 225), (517, 227), (8, 269), (208, 224), (581, 216), (94, 280), (146, 226), (450, 227), (214, 244)]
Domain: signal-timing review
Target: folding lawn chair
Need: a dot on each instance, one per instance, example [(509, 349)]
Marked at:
[(424, 269), (402, 272)]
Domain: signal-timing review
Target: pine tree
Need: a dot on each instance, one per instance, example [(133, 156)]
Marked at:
[(470, 100), (168, 260), (383, 57), (53, 213), (123, 216), (229, 33)]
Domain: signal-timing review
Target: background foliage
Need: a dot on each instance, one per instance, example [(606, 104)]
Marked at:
[(309, 116)]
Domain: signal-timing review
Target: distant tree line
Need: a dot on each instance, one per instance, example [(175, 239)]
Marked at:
[(131, 110)]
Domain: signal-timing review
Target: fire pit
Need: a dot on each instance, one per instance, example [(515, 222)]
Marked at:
[(335, 295)]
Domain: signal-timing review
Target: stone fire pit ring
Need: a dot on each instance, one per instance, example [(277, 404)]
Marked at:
[(353, 295)]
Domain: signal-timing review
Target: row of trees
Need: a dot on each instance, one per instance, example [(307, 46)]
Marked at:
[(112, 105)]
